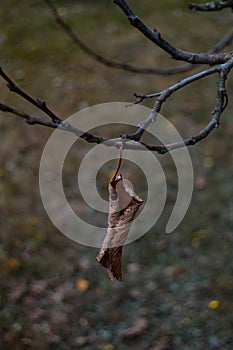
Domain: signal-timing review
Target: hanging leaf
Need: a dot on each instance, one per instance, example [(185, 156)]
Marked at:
[(123, 206)]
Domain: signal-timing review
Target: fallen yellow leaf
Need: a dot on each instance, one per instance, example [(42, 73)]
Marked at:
[(82, 284), (213, 304)]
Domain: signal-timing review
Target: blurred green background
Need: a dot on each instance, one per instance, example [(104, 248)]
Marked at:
[(177, 292)]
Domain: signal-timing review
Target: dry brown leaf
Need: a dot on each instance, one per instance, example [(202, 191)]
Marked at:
[(123, 206)]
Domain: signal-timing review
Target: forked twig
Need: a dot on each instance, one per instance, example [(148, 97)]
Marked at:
[(220, 105)]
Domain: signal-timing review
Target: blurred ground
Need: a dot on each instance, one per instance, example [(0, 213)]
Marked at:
[(178, 287)]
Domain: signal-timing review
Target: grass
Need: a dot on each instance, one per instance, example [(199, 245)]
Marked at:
[(53, 294)]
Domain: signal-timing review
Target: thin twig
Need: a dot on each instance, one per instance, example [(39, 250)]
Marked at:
[(220, 105), (212, 6), (89, 137), (177, 54), (40, 104), (226, 40), (167, 92), (118, 164)]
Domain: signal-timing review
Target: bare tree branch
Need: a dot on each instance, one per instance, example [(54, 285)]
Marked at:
[(133, 141), (177, 54), (40, 104), (226, 40), (122, 65), (107, 62), (211, 6), (89, 137), (175, 87), (221, 103)]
